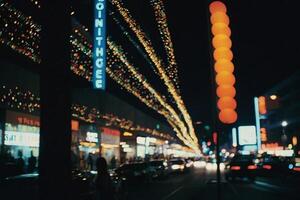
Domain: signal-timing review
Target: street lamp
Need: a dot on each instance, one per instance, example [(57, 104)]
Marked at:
[(273, 97), (284, 136), (284, 123)]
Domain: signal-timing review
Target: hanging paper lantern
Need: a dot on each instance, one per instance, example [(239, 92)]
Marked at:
[(221, 41), (228, 116), (217, 6), (224, 65), (225, 78), (226, 103), (223, 53), (220, 29), (219, 17), (226, 91)]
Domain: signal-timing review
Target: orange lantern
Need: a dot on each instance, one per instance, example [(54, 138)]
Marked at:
[(262, 105), (226, 91), (223, 53), (263, 134), (228, 116), (225, 78), (226, 103), (224, 65), (217, 6), (221, 41), (220, 28), (294, 140), (219, 17)]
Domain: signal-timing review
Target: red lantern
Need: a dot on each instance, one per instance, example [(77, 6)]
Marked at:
[(226, 91), (219, 17), (220, 28), (228, 116), (223, 53), (225, 78), (226, 103), (217, 6), (224, 65), (221, 41)]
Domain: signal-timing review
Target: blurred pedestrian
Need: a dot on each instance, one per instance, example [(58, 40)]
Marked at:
[(90, 161), (113, 162), (20, 162), (104, 186), (31, 162)]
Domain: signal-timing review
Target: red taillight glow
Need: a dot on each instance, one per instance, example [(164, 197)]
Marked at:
[(235, 167), (252, 167), (267, 167), (297, 169)]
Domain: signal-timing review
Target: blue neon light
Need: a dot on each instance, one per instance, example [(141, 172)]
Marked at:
[(99, 45), (257, 121)]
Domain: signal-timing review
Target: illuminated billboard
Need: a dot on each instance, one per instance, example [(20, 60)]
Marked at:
[(247, 135), (99, 45)]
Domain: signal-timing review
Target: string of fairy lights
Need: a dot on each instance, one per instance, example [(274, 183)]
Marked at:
[(20, 99), (161, 19), (19, 32), (119, 68), (117, 51), (146, 43), (127, 35)]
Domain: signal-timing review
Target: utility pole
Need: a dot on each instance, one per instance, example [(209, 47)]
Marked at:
[(55, 93)]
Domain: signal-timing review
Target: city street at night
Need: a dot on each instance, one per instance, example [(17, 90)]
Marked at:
[(149, 100), (200, 184)]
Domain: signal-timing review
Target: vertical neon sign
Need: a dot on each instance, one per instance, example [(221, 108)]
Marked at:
[(99, 45)]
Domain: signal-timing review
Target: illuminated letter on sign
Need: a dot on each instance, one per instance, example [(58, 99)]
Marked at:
[(99, 46)]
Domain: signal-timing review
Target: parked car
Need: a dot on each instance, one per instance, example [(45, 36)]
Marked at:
[(9, 169), (270, 165), (177, 165), (27, 186), (133, 172), (160, 167), (200, 162), (189, 163), (241, 166)]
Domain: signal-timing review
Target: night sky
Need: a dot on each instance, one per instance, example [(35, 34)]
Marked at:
[(266, 47)]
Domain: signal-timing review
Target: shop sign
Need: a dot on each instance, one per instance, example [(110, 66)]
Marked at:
[(109, 131), (99, 45), (110, 136), (21, 139), (247, 135), (74, 125), (92, 137), (21, 118), (127, 134), (141, 140)]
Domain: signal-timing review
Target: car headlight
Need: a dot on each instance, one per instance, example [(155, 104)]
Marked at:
[(175, 167)]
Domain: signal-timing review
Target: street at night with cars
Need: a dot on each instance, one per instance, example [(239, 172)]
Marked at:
[(149, 100)]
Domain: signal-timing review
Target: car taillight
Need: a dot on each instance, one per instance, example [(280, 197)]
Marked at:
[(235, 167), (267, 166), (252, 167), (297, 169)]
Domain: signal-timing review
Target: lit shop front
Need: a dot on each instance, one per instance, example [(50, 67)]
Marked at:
[(110, 143), (87, 139), (21, 134), (150, 146), (127, 146)]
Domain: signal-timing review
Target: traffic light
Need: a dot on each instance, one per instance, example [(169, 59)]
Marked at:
[(223, 62)]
